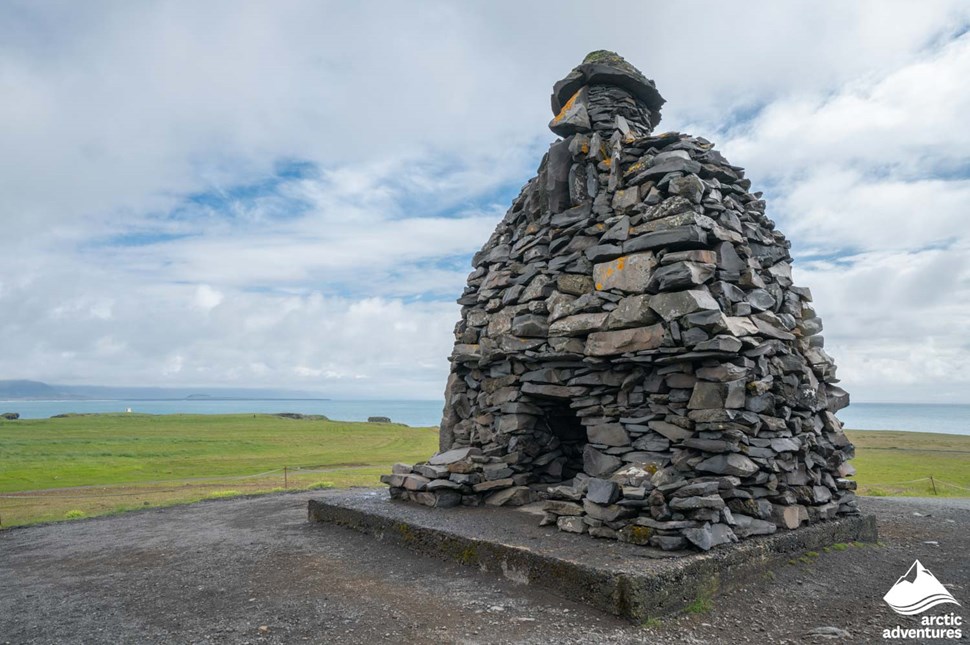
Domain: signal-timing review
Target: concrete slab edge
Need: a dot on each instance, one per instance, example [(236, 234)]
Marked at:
[(632, 596)]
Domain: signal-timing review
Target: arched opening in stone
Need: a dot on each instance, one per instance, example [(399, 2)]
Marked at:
[(560, 421)]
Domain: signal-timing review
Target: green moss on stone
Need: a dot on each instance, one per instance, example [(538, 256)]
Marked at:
[(603, 56)]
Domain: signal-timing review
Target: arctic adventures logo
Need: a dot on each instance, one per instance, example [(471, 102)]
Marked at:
[(916, 592)]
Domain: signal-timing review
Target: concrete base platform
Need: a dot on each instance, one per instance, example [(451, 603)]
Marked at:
[(631, 581)]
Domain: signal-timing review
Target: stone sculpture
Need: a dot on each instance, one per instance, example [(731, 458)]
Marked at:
[(631, 347)]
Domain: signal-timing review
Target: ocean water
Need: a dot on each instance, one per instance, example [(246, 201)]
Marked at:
[(913, 417), (948, 419), (413, 413)]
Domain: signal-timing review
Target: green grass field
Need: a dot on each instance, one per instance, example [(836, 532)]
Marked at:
[(132, 460), (52, 469), (888, 461)]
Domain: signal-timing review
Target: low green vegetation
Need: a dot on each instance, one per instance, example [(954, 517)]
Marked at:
[(113, 463), (87, 465), (700, 605), (222, 494), (891, 463)]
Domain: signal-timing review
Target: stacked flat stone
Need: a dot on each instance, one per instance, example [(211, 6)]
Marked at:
[(632, 349)]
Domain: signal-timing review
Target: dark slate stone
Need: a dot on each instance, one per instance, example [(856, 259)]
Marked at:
[(602, 491), (598, 464), (555, 188), (530, 326), (680, 275), (604, 252), (682, 237), (685, 166), (576, 214)]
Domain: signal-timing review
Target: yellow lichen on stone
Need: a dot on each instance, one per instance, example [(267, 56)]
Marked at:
[(565, 108), (640, 533), (637, 166)]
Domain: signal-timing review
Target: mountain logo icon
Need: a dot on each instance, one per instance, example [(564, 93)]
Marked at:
[(917, 591)]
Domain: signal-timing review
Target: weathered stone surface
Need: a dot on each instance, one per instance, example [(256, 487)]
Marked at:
[(574, 284), (721, 373), (681, 275), (629, 273), (606, 343), (578, 325), (785, 445), (745, 525), (740, 326), (496, 471), (666, 166), (697, 488), (718, 395), (602, 491), (574, 115), (515, 496), (669, 430), (691, 503), (438, 484), (607, 513), (689, 187), (671, 306), (789, 517), (530, 325), (558, 507), (571, 524), (415, 482), (551, 391), (451, 456), (724, 344), (425, 470), (710, 535), (598, 464), (730, 464), (632, 311), (635, 534), (610, 434), (683, 237), (494, 484)]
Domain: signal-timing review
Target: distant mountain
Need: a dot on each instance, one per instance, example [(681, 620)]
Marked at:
[(27, 390), (35, 390)]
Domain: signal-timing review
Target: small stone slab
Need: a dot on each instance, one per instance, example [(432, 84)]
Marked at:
[(630, 273), (451, 456), (607, 343)]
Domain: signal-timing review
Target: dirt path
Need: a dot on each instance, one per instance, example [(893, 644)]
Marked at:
[(254, 571)]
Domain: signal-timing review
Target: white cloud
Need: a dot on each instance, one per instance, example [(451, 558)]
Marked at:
[(416, 118), (878, 168)]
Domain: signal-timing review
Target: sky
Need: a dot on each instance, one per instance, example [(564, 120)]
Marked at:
[(288, 194)]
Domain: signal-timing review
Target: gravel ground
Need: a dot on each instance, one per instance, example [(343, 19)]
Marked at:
[(255, 571)]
